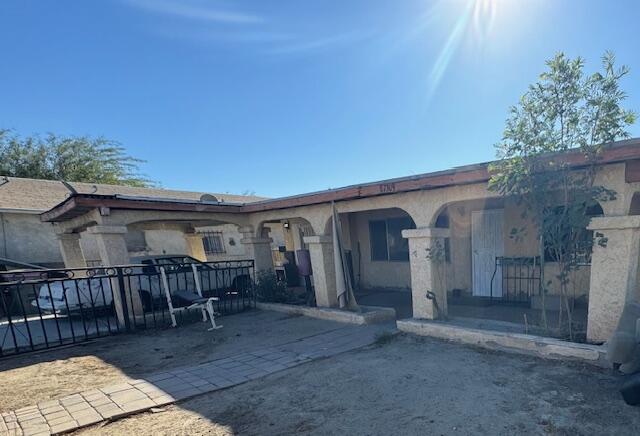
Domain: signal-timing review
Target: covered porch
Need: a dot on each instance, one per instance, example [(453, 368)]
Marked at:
[(432, 246)]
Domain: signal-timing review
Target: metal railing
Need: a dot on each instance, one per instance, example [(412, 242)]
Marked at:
[(519, 279), (42, 309)]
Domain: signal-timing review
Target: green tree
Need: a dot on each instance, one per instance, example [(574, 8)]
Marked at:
[(68, 158), (565, 110)]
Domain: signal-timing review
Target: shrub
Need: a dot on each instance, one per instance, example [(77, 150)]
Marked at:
[(270, 289)]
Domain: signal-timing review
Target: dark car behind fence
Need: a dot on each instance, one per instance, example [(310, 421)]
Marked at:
[(42, 309)]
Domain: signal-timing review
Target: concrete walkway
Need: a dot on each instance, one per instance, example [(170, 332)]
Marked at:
[(162, 388)]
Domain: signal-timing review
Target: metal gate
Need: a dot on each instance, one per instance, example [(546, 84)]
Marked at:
[(518, 277), (42, 309)]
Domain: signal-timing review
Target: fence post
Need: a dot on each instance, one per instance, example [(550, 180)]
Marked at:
[(120, 300)]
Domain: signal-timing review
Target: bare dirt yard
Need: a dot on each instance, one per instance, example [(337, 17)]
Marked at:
[(30, 378), (404, 385)]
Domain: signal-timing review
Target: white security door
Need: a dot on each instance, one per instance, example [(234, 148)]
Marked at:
[(487, 243)]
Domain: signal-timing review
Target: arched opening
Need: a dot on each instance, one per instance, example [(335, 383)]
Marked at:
[(495, 270), (634, 208), (208, 240), (377, 257), (290, 257)]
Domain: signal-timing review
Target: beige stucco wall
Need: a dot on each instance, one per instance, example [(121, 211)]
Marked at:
[(165, 242), (373, 274), (23, 237), (234, 250), (460, 268)]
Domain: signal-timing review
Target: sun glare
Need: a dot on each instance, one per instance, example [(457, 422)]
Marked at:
[(477, 18), (484, 16)]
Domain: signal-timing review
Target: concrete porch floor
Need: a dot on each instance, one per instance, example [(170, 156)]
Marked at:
[(492, 317)]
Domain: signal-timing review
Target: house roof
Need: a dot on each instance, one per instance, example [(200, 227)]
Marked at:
[(36, 196), (621, 151)]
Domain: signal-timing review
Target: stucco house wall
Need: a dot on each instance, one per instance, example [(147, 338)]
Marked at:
[(526, 245), (234, 249), (23, 237), (393, 275)]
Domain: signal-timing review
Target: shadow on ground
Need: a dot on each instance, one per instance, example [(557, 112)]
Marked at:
[(406, 385), (31, 378)]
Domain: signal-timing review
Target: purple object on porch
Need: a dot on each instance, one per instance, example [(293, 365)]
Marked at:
[(304, 262)]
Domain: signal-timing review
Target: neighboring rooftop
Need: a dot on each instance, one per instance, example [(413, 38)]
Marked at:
[(36, 196)]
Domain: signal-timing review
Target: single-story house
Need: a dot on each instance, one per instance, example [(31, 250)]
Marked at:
[(24, 238), (389, 229)]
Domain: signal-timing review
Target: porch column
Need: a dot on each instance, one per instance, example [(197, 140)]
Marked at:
[(614, 273), (324, 274), (428, 272), (258, 249), (113, 251), (71, 250), (111, 244), (195, 246)]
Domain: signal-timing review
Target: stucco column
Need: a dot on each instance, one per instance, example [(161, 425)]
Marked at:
[(195, 246), (258, 249), (71, 250), (111, 244), (324, 273), (614, 273), (113, 251), (428, 270)]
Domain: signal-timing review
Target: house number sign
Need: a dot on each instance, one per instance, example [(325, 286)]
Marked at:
[(386, 188)]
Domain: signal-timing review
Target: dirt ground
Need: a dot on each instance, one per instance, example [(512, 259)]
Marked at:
[(31, 378), (406, 385)]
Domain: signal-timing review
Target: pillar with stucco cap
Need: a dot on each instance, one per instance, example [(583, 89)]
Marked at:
[(111, 244), (427, 272), (257, 248), (113, 251), (614, 273), (71, 250), (195, 246), (323, 266)]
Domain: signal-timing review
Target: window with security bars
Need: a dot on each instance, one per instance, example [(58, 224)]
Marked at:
[(213, 243)]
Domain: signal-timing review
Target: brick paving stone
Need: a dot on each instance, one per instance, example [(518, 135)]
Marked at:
[(148, 388), (63, 427), (157, 377), (27, 411), (88, 418), (169, 383), (155, 394), (185, 393), (123, 397), (78, 407), (163, 400), (48, 403), (36, 431), (27, 416), (59, 419), (109, 410), (51, 409), (135, 406), (92, 394), (3, 426), (100, 402), (116, 388), (56, 415), (200, 382)]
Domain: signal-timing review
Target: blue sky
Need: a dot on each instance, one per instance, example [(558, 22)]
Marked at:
[(288, 96)]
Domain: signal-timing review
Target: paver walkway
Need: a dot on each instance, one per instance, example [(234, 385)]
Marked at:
[(159, 389)]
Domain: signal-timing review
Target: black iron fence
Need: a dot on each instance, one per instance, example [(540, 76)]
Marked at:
[(42, 309), (515, 279)]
